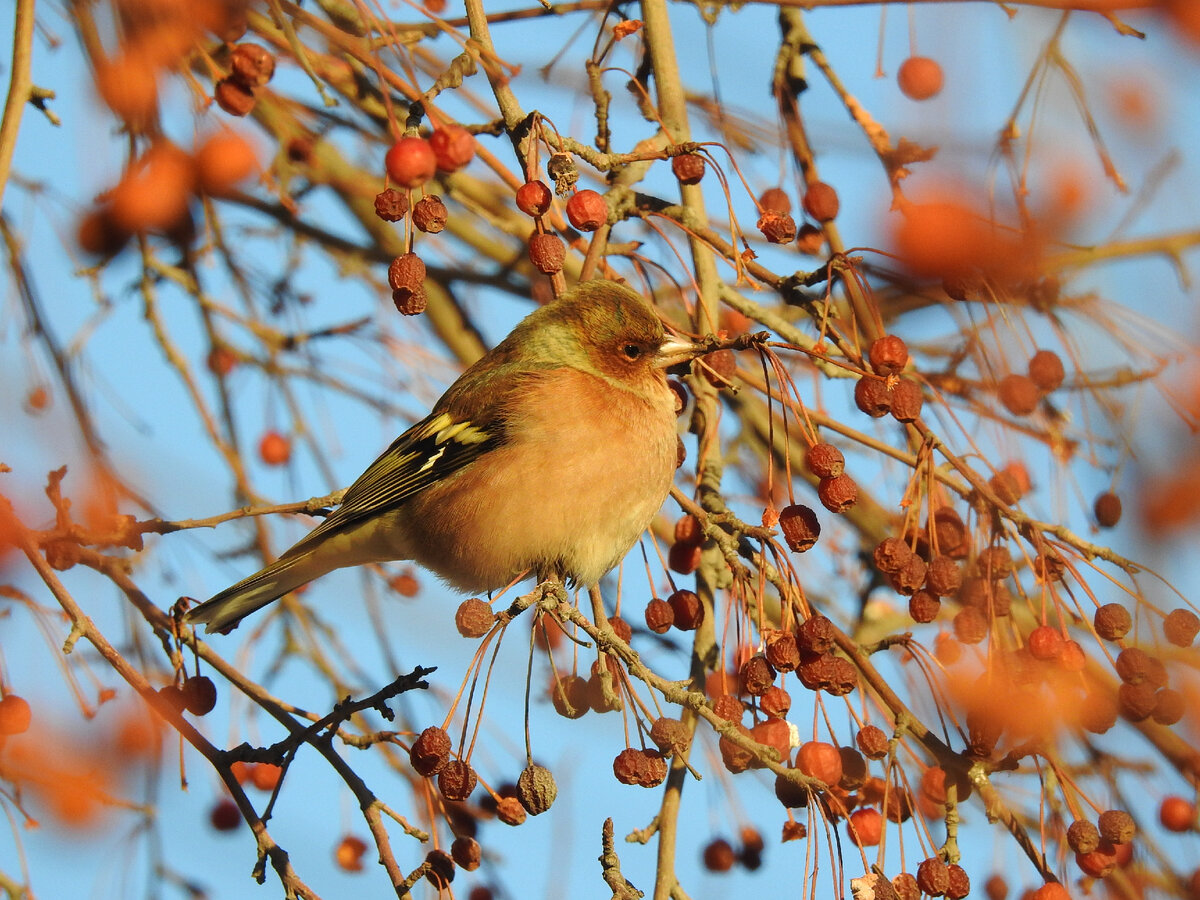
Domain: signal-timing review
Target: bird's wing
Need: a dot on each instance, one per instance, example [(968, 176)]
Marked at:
[(427, 453)]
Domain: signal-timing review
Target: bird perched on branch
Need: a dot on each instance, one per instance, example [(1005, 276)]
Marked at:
[(549, 455)]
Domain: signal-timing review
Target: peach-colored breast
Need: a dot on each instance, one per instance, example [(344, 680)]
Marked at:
[(576, 484)]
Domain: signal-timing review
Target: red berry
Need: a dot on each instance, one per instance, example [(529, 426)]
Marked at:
[(587, 210), (349, 853), (453, 147), (1019, 394), (888, 355), (411, 162), (688, 168), (719, 856), (1045, 642), (920, 78), (274, 449), (533, 198), (547, 252)]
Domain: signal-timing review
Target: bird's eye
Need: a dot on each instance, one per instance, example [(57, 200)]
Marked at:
[(631, 351)]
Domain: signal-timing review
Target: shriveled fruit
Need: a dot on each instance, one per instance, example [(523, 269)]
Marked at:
[(800, 527), (252, 65), (1181, 627), (659, 616), (871, 395), (688, 168), (776, 228), (821, 201), (825, 460), (547, 252), (429, 214), (1046, 370), (457, 780), (872, 741), (888, 355), (430, 751), (775, 200), (536, 789), (839, 493), (473, 618), (406, 271), (1112, 621), (391, 205)]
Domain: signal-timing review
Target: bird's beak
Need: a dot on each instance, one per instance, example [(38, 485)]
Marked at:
[(677, 350)]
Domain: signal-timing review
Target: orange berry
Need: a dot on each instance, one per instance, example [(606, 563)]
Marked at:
[(821, 201), (129, 86), (251, 65), (222, 161), (820, 760), (587, 210), (15, 714), (274, 449), (453, 147), (154, 193), (920, 78), (411, 162), (688, 168), (234, 97), (266, 776), (865, 826), (533, 198), (349, 853)]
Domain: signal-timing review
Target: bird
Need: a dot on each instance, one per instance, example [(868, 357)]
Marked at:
[(550, 455)]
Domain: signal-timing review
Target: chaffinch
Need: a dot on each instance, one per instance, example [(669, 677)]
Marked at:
[(549, 455)]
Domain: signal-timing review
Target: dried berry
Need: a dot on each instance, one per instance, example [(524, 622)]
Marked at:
[(547, 252), (1117, 826), (782, 652), (688, 530), (888, 355), (970, 625), (872, 397), (430, 751), (429, 214), (756, 675), (1083, 836), (1181, 627), (891, 554), (457, 780), (688, 167), (920, 78), (800, 527), (1133, 665), (536, 789), (924, 606), (406, 271), (777, 229), (960, 882), (790, 792), (776, 702), (1046, 371), (943, 576), (994, 562), (1107, 509), (439, 869), (821, 201), (906, 400), (453, 147), (910, 577), (933, 877), (1018, 394), (391, 205), (563, 172), (825, 460), (906, 887), (837, 494), (473, 618), (684, 558), (1112, 621), (409, 302), (719, 367), (810, 239), (466, 852), (510, 811), (1010, 484), (687, 611), (224, 816), (252, 65), (659, 616), (854, 769), (872, 741), (587, 210), (816, 635), (670, 735), (728, 707), (533, 198), (569, 694)]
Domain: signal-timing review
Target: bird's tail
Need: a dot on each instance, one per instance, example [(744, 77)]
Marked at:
[(222, 613)]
